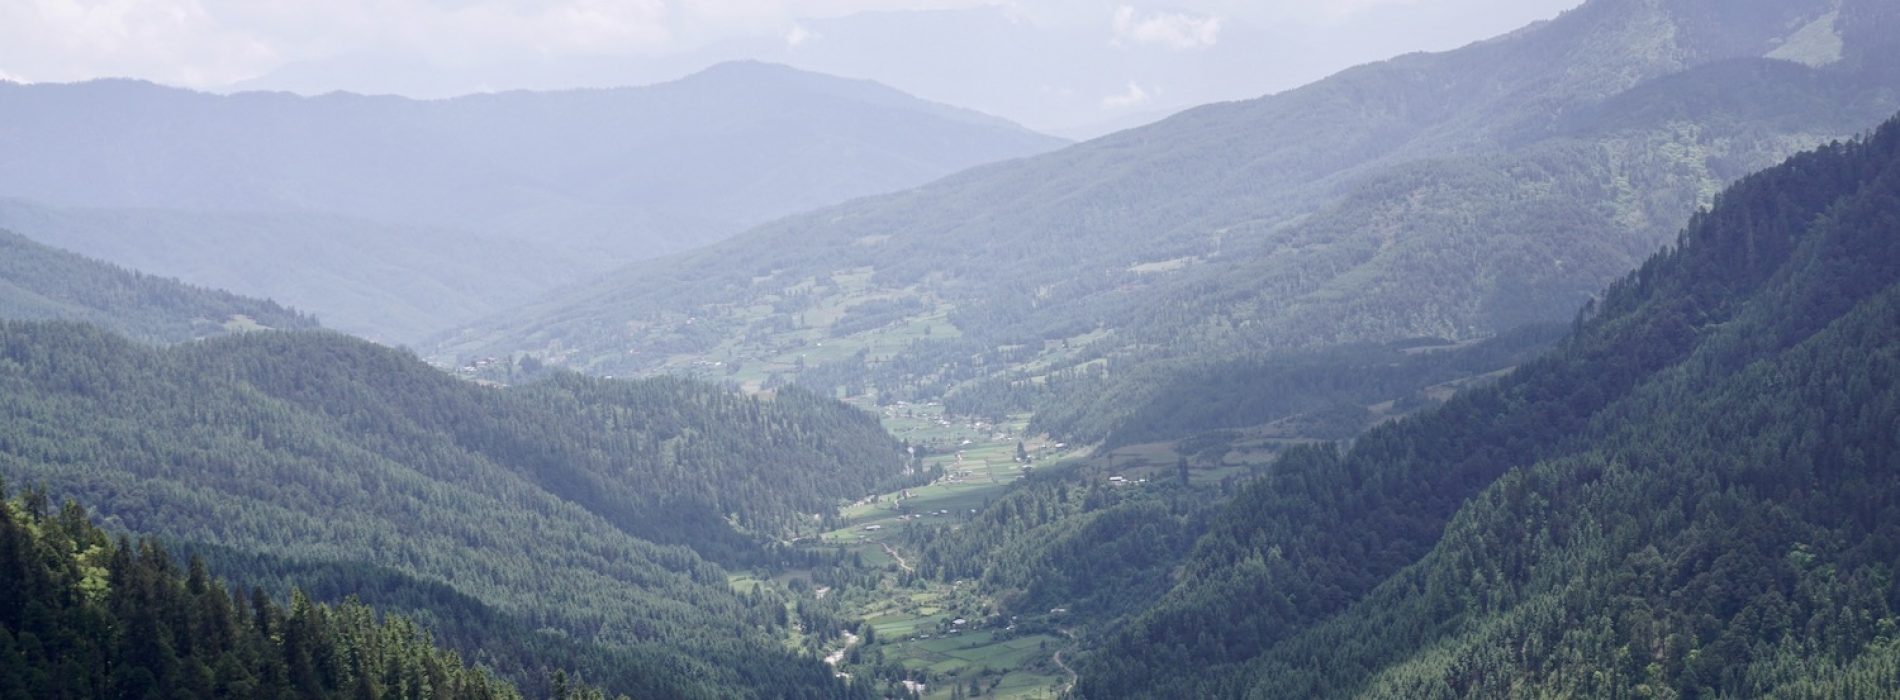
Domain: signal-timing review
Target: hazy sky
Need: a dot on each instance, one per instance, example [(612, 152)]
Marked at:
[(1051, 64)]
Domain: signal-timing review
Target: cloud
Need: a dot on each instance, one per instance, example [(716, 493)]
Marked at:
[(347, 43), (203, 43), (1133, 97), (798, 35), (1174, 30), (79, 39)]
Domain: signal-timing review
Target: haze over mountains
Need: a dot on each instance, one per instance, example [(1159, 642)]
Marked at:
[(1073, 69), (1448, 195), (489, 199), (1563, 364)]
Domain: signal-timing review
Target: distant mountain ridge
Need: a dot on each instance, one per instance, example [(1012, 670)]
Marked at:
[(380, 281), (38, 282), (579, 180), (1449, 195)]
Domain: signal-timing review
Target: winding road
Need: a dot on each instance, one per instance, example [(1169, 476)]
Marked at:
[(899, 557), (1066, 687), (1065, 667)]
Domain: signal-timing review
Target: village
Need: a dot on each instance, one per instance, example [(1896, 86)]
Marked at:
[(946, 632)]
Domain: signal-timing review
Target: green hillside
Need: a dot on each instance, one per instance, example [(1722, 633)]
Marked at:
[(575, 511), (1561, 365), (42, 283), (1692, 497), (88, 616), (1448, 196)]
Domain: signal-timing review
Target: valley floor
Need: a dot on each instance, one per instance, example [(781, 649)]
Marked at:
[(942, 632), (943, 636)]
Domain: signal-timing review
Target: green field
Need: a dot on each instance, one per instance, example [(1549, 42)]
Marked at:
[(916, 630), (914, 624), (913, 619), (979, 463), (752, 357)]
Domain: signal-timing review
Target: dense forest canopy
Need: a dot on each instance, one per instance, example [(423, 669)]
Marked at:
[(1691, 497), (587, 507), (89, 616), (38, 282)]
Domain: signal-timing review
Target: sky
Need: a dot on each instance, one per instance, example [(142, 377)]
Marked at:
[(1076, 67)]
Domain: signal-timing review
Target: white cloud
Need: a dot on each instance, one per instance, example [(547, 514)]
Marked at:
[(214, 42), (523, 43), (1133, 97), (1173, 30), (798, 35), (179, 40)]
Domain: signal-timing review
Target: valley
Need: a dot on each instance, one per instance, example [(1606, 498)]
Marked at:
[(1557, 363), (1254, 262), (932, 633), (955, 638)]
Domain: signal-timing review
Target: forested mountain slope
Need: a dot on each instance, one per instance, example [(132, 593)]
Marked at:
[(573, 506), (565, 184), (1447, 195), (90, 617), (1693, 496), (42, 283)]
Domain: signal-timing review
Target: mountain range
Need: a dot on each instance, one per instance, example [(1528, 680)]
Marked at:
[(1563, 364), (445, 209), (1449, 196)]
